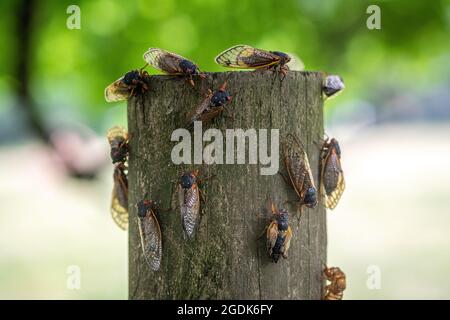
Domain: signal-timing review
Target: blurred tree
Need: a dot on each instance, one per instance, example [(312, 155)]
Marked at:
[(67, 70)]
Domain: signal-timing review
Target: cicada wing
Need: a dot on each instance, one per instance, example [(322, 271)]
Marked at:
[(201, 108), (119, 199), (119, 213), (151, 240), (164, 61), (117, 91), (332, 179), (190, 208), (210, 114), (287, 242), (308, 171), (272, 234), (117, 132), (333, 199), (245, 57), (294, 158)]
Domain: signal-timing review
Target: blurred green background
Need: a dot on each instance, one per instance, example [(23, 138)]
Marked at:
[(392, 122)]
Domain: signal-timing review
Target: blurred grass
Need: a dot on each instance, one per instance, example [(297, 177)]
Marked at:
[(394, 212), (49, 222)]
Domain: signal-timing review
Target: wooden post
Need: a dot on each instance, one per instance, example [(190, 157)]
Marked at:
[(226, 260)]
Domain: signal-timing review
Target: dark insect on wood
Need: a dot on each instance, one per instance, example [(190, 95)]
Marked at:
[(299, 171), (279, 234), (212, 105), (118, 141), (189, 201), (131, 84), (333, 84), (332, 183), (119, 198), (150, 234), (172, 64), (335, 290), (247, 57)]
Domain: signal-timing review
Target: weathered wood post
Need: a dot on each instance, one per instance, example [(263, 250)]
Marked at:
[(226, 260)]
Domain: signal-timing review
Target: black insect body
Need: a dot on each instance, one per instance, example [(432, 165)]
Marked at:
[(279, 235), (150, 234), (220, 97), (133, 83), (172, 64), (189, 201), (212, 105)]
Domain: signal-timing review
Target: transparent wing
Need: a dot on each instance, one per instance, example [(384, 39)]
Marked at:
[(164, 61), (244, 56), (151, 240), (287, 242), (272, 234), (200, 109), (117, 91), (119, 200), (190, 207), (211, 114), (297, 165)]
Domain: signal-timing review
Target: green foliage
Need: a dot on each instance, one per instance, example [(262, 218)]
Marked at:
[(72, 67)]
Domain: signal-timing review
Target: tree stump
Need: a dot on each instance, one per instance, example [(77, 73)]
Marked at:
[(226, 259)]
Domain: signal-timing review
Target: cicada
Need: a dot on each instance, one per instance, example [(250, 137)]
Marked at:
[(131, 84), (189, 201), (279, 234), (247, 57), (332, 183), (335, 290), (299, 171), (172, 64), (118, 141), (150, 234), (333, 84), (119, 198), (211, 106)]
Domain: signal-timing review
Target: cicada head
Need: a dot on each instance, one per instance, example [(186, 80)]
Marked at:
[(310, 198), (188, 67), (285, 58), (118, 141), (143, 207), (188, 179), (131, 76), (335, 144), (333, 84), (220, 98)]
